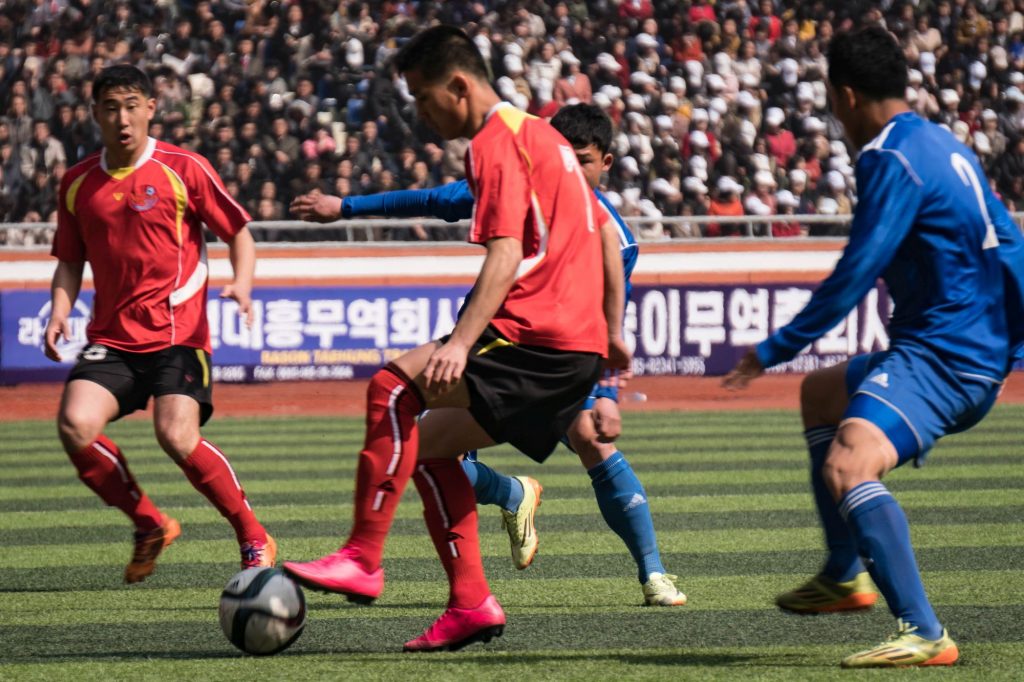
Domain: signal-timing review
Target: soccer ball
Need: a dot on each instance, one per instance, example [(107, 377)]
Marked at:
[(262, 611)]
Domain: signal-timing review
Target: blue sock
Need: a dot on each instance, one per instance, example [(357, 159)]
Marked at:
[(843, 561), (492, 487), (883, 538), (623, 504)]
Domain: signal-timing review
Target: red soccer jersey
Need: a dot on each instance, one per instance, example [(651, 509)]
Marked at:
[(527, 184), (140, 230)]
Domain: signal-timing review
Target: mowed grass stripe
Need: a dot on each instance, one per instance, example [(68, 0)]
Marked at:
[(982, 661), (420, 597), (689, 565), (306, 464), (591, 522), (681, 478), (526, 631), (339, 491), (417, 545), (553, 506)]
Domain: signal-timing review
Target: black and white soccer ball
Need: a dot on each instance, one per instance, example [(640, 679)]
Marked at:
[(262, 611)]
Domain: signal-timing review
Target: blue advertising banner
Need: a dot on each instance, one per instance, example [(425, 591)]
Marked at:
[(312, 333), (298, 333)]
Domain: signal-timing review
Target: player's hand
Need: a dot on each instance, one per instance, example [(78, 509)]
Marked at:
[(445, 367), (607, 420), (316, 207), (745, 371), (242, 296), (619, 356), (55, 329)]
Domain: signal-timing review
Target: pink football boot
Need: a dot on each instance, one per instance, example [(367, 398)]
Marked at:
[(339, 573), (457, 628)]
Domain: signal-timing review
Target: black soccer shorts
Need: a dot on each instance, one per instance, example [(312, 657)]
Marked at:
[(527, 396), (134, 377)]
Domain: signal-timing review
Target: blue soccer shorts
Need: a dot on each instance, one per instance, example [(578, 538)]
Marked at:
[(915, 398)]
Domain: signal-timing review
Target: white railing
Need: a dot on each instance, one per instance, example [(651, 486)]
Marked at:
[(376, 231)]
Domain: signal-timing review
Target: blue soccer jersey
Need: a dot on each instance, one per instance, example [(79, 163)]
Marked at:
[(947, 249)]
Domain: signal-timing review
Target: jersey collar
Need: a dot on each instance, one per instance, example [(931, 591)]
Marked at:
[(121, 173)]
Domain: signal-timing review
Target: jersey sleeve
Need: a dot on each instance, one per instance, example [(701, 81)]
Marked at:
[(501, 188), (211, 201), (67, 242), (451, 202), (890, 197)]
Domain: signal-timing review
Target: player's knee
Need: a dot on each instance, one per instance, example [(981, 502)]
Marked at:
[(177, 440), (77, 428)]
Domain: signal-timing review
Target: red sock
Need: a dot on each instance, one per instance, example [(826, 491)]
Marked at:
[(449, 508), (386, 462), (102, 467), (210, 473)]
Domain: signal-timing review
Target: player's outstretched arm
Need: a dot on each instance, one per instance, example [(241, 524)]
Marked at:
[(451, 202), (614, 297), (64, 288), (242, 251), (497, 275)]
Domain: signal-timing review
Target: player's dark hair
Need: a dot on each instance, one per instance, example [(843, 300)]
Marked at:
[(584, 125), (869, 61), (439, 50), (122, 76)]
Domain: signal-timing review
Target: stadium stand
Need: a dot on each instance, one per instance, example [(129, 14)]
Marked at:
[(720, 107)]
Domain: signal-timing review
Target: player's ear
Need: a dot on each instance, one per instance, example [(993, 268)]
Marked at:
[(606, 162), (459, 85), (150, 109)]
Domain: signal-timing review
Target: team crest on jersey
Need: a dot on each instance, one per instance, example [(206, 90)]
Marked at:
[(144, 200)]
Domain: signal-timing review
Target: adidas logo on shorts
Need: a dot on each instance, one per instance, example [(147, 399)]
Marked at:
[(881, 379)]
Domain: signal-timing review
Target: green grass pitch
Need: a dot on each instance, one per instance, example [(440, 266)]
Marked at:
[(730, 501)]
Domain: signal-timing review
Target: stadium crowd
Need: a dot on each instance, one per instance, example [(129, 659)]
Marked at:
[(720, 106)]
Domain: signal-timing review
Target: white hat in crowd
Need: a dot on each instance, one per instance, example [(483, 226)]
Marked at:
[(745, 100), (663, 122), (835, 180), (727, 185), (629, 165), (601, 100), (635, 102), (915, 77), (813, 124), (828, 206), (677, 84), (646, 41), (749, 80), (982, 145), (699, 139), (764, 178), (775, 116), (567, 57), (670, 101), (789, 68), (949, 97), (694, 185), (513, 64), (606, 61), (784, 198), (961, 131), (663, 187), (977, 75), (805, 92)]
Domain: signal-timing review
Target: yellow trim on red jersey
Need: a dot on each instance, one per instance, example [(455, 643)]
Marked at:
[(69, 199), (180, 196), (120, 173), (513, 117)]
